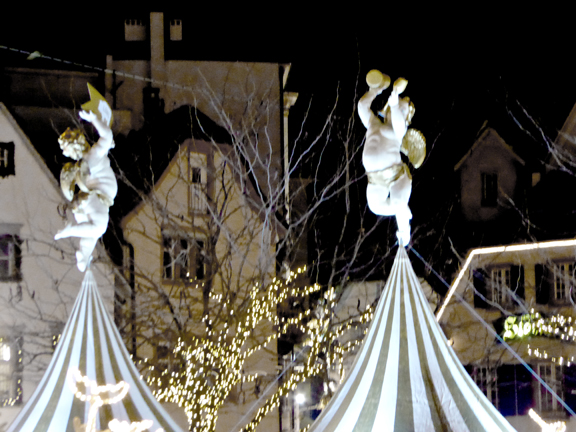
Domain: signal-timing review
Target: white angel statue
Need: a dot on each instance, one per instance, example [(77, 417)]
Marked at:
[(92, 174), (387, 134)]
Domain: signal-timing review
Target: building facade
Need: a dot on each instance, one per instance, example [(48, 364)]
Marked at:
[(38, 277), (517, 278), (225, 187), (200, 244), (525, 294), (155, 70), (205, 228)]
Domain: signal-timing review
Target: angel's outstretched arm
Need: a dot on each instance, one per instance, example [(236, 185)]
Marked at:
[(106, 141)]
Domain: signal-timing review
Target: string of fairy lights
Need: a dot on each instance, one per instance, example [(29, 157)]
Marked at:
[(557, 426), (534, 324), (94, 394), (213, 364)]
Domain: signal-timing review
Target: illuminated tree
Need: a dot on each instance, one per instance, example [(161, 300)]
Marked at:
[(214, 221)]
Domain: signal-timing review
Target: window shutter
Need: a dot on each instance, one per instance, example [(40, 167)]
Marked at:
[(183, 260), (517, 280), (480, 277), (18, 257), (166, 257), (199, 260), (543, 283)]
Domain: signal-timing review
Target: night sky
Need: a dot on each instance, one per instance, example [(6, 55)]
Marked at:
[(447, 60)]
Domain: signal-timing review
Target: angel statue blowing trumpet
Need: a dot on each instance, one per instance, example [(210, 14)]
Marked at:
[(97, 186), (387, 134)]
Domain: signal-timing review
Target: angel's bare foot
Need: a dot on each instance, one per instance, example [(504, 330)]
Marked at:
[(82, 261), (403, 220)]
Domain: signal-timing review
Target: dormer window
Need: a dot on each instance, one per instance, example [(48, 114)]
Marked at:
[(175, 30), (134, 30), (198, 183)]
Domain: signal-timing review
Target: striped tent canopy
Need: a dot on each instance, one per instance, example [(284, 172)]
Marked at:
[(91, 349), (406, 377)]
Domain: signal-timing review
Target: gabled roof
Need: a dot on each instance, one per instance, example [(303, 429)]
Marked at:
[(565, 141), (484, 135), (405, 376), (164, 139), (568, 128), (29, 146), (145, 154)]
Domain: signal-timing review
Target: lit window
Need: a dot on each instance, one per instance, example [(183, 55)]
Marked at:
[(175, 30), (10, 372), (56, 328), (183, 259), (552, 375), (486, 379), (489, 189), (10, 257), (5, 371), (134, 30), (563, 281), (4, 352), (198, 183)]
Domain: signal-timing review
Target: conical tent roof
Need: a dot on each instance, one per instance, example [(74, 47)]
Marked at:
[(406, 377), (91, 344)]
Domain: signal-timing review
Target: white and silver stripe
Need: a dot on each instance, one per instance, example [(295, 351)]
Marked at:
[(405, 376), (91, 343)]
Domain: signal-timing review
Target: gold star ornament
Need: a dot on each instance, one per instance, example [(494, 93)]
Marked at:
[(98, 105)]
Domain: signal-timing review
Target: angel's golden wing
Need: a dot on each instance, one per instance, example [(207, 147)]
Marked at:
[(68, 180), (414, 146)]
